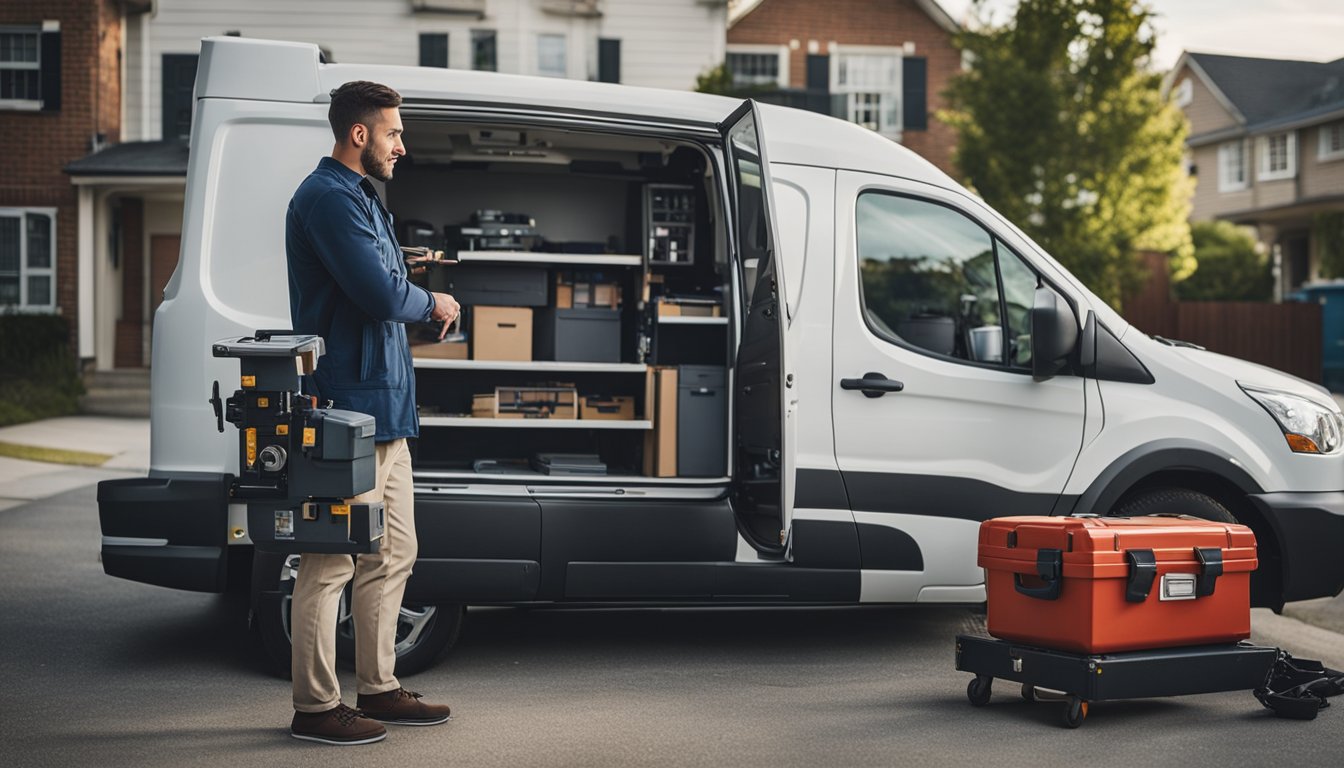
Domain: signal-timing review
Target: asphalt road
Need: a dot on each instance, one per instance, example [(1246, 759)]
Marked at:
[(100, 671)]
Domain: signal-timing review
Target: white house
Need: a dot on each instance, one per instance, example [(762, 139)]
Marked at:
[(130, 194)]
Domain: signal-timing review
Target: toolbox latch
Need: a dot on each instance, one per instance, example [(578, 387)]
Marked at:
[(1210, 568), (1142, 572), (1050, 568)]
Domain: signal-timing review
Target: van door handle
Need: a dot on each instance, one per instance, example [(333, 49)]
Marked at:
[(873, 385)]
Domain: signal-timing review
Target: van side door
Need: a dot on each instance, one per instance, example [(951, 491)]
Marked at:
[(938, 421)]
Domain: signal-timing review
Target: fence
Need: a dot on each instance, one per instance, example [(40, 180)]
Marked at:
[(1283, 336)]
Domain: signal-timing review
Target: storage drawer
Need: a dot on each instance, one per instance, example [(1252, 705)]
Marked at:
[(498, 286), (579, 335)]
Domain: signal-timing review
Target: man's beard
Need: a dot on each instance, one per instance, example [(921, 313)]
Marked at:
[(380, 171)]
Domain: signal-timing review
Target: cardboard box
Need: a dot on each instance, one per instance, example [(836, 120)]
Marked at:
[(620, 408), (660, 443), (448, 350), (501, 333), (527, 402), (678, 309)]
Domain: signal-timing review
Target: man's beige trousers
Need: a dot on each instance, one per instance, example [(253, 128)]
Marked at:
[(379, 583)]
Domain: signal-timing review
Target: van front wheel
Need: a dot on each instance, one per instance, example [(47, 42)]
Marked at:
[(424, 632), (1173, 501)]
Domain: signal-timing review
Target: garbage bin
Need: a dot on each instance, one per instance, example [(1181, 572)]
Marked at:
[(1331, 298)]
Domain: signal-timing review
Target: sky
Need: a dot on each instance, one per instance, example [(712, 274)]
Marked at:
[(1310, 30)]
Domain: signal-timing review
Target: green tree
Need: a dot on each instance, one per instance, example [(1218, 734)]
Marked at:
[(1063, 129), (715, 80), (1231, 268)]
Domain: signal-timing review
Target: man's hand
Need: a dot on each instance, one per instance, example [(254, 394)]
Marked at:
[(446, 310)]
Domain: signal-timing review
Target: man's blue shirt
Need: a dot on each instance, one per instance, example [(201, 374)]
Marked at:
[(347, 283)]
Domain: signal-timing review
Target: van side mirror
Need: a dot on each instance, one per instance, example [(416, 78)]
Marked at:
[(1054, 333)]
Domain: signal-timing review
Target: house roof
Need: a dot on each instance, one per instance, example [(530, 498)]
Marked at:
[(1266, 93), (134, 158), (739, 8)]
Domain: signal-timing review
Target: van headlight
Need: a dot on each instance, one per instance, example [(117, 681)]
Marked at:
[(1308, 426)]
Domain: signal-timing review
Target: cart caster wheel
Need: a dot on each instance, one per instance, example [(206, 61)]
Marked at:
[(1028, 693), (979, 689), (1075, 712)]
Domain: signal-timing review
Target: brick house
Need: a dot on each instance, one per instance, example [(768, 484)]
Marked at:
[(1267, 148), (879, 63), (59, 100)]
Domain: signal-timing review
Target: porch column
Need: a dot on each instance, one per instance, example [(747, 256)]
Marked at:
[(84, 302)]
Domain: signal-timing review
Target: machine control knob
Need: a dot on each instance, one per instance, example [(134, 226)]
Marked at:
[(272, 458)]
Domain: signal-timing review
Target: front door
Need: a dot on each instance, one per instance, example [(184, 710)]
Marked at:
[(938, 422), (762, 466)]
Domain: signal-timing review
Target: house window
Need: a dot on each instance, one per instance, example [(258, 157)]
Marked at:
[(1232, 166), (20, 68), (27, 259), (758, 65), (483, 50), (1332, 142), (1278, 156), (869, 82), (1185, 93), (551, 59), (434, 49)]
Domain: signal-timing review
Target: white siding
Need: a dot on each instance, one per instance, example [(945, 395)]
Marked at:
[(664, 43)]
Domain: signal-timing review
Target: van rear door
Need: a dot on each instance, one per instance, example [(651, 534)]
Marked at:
[(763, 466)]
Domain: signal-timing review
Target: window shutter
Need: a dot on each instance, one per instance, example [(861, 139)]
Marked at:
[(50, 70), (914, 92), (608, 60), (179, 78)]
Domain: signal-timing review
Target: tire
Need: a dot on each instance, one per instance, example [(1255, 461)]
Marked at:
[(1075, 712), (979, 689), (1173, 501), (424, 632)]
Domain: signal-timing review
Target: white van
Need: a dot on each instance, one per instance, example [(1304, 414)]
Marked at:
[(859, 381)]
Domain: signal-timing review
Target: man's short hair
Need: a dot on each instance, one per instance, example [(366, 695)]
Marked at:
[(357, 102)]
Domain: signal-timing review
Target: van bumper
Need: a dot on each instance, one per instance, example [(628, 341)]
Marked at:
[(1310, 531), (168, 530)]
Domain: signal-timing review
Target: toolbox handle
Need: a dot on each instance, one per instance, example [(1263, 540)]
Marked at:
[(1050, 567), (1210, 568), (1142, 572)]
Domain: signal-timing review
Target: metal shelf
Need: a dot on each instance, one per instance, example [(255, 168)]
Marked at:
[(433, 477), (467, 421), (538, 366), (559, 259), (676, 320)]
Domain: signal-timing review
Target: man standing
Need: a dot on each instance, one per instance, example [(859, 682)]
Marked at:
[(347, 283)]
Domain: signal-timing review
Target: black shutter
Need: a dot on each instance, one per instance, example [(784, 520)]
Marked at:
[(608, 60), (50, 63), (819, 84), (179, 78), (434, 50), (915, 93)]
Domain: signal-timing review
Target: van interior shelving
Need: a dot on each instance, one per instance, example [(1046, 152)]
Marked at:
[(587, 264)]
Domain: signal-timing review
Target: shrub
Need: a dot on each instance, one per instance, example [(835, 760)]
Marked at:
[(38, 375)]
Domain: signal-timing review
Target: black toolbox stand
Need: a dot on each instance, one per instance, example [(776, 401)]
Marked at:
[(1109, 676)]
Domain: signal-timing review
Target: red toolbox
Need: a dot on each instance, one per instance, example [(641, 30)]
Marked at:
[(1100, 585)]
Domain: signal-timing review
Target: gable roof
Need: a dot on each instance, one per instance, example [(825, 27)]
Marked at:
[(1265, 93), (134, 158), (739, 8)]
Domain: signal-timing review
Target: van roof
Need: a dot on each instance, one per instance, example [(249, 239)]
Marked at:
[(268, 70)]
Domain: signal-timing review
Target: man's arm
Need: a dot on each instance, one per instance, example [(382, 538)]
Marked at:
[(348, 247)]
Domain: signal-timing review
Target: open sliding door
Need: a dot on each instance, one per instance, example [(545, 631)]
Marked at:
[(762, 469)]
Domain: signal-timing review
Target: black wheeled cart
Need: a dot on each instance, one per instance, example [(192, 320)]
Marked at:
[(1083, 679)]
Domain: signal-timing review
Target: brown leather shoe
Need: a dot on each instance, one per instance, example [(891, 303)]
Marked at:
[(402, 707), (340, 725)]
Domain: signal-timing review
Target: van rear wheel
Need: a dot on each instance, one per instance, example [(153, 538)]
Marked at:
[(1173, 501), (424, 632)]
